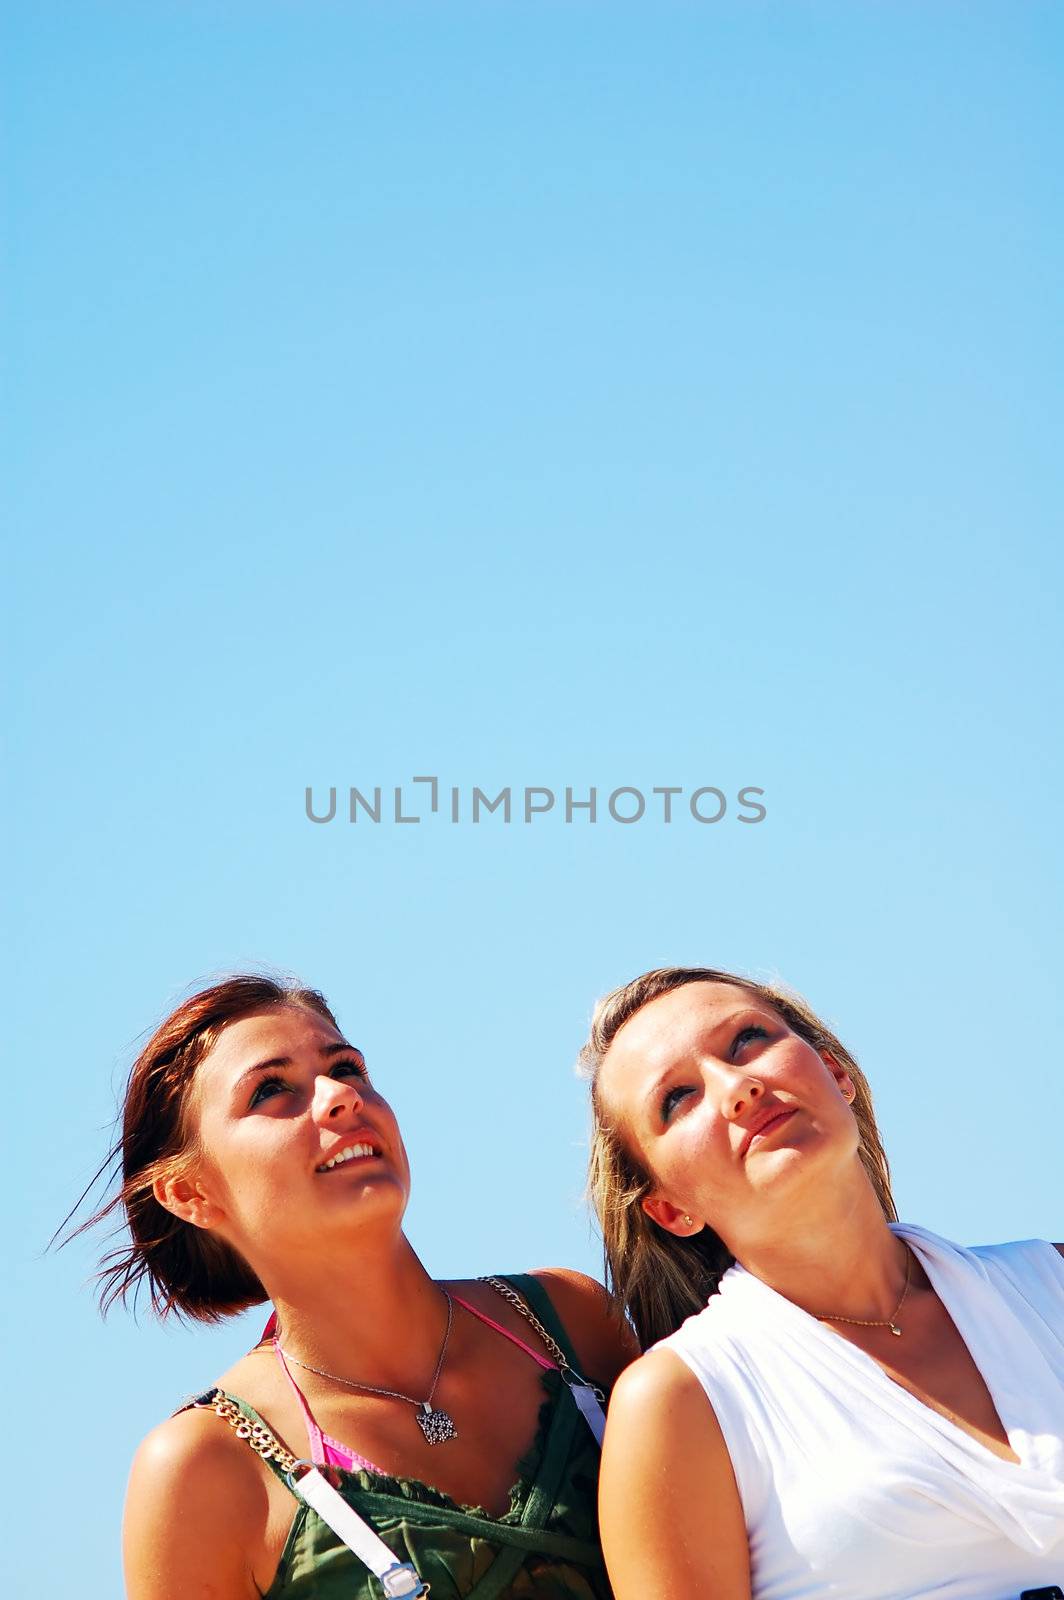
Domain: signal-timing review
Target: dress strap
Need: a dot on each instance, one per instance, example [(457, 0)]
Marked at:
[(530, 1299), (589, 1399), (248, 1425)]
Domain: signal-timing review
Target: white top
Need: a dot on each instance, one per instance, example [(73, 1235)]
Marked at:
[(854, 1489)]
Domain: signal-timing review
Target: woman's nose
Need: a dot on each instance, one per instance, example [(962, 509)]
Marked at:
[(740, 1094), (334, 1096)]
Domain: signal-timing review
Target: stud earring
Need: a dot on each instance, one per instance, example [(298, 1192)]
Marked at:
[(689, 1220)]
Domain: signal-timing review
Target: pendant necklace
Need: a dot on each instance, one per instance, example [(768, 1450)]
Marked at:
[(877, 1322), (437, 1426)]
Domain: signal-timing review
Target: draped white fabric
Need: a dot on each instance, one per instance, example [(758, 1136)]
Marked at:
[(852, 1487)]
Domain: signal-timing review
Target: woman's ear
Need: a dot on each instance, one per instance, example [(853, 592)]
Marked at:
[(183, 1196), (847, 1087), (669, 1217)]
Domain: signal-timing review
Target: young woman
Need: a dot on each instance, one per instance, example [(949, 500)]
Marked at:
[(261, 1162), (833, 1404)]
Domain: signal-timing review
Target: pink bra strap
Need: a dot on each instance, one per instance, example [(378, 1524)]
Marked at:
[(317, 1446), (541, 1361)]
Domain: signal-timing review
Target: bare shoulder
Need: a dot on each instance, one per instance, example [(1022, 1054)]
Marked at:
[(253, 1376), (189, 1458), (576, 1297), (661, 1382), (601, 1337), (175, 1543), (669, 1530), (661, 1402)]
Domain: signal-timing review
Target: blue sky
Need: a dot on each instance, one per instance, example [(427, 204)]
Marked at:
[(556, 395)]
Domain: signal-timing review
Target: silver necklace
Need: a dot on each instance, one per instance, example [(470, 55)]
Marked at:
[(437, 1426)]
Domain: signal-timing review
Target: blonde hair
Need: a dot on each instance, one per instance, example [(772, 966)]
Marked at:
[(660, 1279)]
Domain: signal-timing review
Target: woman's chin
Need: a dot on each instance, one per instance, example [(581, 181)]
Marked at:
[(792, 1160)]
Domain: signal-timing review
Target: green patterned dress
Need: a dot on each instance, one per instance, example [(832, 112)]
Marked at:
[(544, 1547)]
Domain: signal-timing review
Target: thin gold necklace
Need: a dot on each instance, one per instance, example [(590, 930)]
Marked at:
[(890, 1322)]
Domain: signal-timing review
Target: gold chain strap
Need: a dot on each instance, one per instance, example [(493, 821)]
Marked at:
[(261, 1440), (511, 1295)]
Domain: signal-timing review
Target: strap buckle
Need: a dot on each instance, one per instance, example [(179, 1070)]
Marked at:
[(572, 1380), (402, 1580), (295, 1472)]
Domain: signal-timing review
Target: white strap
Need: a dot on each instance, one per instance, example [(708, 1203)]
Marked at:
[(590, 1408), (395, 1577)]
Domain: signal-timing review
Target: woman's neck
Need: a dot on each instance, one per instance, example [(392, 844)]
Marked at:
[(834, 1256), (375, 1317)]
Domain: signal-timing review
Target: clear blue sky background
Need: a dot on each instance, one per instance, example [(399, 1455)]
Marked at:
[(526, 394)]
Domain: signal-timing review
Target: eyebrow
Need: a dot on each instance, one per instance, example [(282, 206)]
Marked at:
[(326, 1050)]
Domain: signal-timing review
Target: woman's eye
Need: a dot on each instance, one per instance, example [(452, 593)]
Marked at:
[(343, 1069), (745, 1035), (672, 1100), (266, 1090)]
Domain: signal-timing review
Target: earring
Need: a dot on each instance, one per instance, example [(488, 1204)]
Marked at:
[(689, 1221)]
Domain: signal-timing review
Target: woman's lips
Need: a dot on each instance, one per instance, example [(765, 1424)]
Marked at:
[(765, 1128)]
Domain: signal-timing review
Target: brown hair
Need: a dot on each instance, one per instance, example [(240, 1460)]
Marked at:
[(186, 1269), (658, 1278)]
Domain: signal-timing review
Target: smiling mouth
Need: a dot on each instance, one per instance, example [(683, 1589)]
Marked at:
[(354, 1152), (767, 1127)]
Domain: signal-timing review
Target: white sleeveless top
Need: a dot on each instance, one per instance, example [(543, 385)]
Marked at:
[(854, 1489)]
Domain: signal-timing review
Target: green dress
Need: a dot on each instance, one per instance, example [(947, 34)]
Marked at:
[(544, 1547)]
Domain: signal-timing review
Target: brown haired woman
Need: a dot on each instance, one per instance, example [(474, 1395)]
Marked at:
[(372, 1436), (835, 1405)]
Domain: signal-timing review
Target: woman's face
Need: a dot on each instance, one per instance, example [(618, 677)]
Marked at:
[(294, 1141), (725, 1107)]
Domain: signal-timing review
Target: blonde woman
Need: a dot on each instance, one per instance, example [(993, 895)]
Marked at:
[(830, 1404)]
